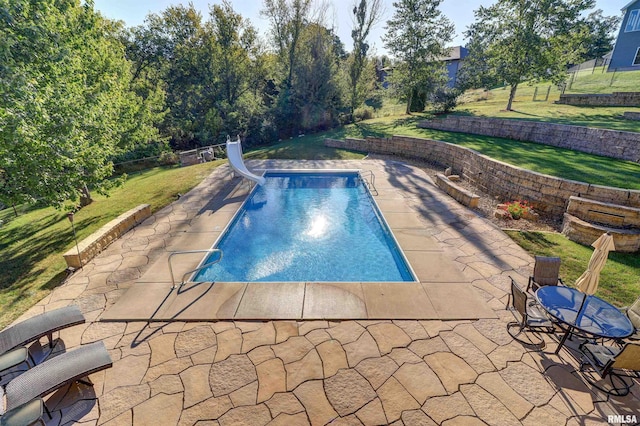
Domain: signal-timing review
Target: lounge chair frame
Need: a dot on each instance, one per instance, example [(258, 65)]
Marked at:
[(620, 364), (532, 316)]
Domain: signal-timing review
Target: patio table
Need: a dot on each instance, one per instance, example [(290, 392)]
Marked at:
[(595, 317)]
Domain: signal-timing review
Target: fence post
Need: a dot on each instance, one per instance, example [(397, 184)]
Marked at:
[(613, 76), (573, 74)]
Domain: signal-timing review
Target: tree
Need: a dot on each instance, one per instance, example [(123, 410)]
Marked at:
[(366, 14), (314, 91), (67, 105), (527, 39), (600, 34), (416, 36), (288, 18)]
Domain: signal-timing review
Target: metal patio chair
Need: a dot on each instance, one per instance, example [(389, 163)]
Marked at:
[(633, 312), (618, 364), (546, 271), (533, 318)]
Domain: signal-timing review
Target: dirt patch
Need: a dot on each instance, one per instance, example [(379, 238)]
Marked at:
[(488, 203)]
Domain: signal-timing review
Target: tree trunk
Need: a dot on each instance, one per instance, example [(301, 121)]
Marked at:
[(15, 211), (512, 94), (408, 111), (85, 196)]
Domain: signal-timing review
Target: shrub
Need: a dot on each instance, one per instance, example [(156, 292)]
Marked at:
[(169, 158), (444, 99), (364, 113), (517, 209)]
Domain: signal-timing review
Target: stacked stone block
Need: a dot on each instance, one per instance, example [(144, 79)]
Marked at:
[(609, 99), (89, 248)]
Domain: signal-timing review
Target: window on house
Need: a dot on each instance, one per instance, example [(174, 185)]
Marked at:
[(636, 60), (633, 23)]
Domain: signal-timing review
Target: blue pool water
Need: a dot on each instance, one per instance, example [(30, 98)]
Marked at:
[(302, 226)]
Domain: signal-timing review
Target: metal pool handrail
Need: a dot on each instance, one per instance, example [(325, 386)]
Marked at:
[(371, 182), (175, 253)]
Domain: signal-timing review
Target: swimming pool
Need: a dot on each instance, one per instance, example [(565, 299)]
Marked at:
[(308, 226)]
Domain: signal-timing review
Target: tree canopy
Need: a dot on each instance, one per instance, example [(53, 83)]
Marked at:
[(417, 35), (519, 40), (67, 104)]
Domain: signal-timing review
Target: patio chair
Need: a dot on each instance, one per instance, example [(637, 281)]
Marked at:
[(56, 372), (546, 271), (533, 317), (613, 362), (45, 324)]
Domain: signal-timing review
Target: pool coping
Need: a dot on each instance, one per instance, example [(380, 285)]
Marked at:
[(152, 298)]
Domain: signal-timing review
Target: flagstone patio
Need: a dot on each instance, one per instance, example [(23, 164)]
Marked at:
[(400, 369)]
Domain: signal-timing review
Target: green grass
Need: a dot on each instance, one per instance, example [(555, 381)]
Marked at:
[(308, 147), (619, 280), (598, 80), (493, 103), (545, 159)]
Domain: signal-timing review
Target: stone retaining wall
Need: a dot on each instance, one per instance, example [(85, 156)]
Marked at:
[(609, 99), (608, 143), (546, 193), (99, 240), (586, 220), (583, 232), (630, 115)]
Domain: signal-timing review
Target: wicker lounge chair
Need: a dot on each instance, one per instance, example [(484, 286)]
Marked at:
[(56, 372), (612, 362), (546, 271), (533, 318), (39, 326)]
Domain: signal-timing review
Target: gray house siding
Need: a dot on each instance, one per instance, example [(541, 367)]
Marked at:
[(627, 43)]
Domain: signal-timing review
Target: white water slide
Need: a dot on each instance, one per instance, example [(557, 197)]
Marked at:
[(234, 155)]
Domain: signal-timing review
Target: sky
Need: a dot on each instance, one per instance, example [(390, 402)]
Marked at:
[(338, 14)]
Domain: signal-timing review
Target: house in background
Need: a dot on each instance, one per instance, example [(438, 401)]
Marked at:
[(626, 53), (453, 61)]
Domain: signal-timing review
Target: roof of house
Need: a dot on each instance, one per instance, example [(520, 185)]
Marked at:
[(456, 52), (629, 4)]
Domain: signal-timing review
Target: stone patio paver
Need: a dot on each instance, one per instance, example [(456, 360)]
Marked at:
[(368, 370)]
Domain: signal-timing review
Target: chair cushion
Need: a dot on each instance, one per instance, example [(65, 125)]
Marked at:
[(536, 317), (13, 358), (600, 354), (26, 414)]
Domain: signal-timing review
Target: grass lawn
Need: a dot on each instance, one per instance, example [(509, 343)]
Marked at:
[(492, 103), (619, 280), (545, 159)]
